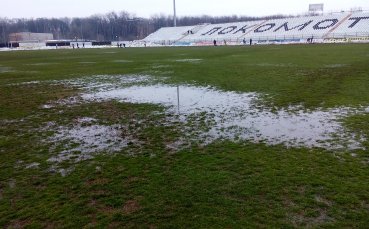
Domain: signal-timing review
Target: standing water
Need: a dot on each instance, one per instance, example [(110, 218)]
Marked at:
[(235, 116)]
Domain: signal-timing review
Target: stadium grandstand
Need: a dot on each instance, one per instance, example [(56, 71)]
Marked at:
[(341, 27)]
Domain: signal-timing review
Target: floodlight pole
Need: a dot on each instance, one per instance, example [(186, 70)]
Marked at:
[(175, 13)]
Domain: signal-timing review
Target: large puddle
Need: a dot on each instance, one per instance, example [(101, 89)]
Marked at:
[(204, 114), (236, 116), (86, 138)]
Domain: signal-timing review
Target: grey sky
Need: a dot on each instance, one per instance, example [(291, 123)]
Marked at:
[(146, 8)]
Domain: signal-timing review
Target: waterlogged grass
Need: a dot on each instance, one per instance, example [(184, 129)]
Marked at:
[(150, 185), (359, 124)]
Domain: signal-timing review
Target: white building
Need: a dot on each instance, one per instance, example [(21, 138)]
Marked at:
[(30, 37)]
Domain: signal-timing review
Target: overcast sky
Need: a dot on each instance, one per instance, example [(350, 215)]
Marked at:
[(147, 8)]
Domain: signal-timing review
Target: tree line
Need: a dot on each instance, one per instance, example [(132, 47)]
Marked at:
[(108, 27)]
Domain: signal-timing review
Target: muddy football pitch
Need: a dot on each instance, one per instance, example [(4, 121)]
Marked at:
[(200, 137)]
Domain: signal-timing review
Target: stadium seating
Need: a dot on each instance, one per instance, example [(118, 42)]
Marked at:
[(170, 34), (295, 29), (299, 27), (356, 25)]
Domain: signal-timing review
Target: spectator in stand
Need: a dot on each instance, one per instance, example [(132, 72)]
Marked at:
[(244, 41)]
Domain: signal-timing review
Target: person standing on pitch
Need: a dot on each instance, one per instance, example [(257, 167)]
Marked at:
[(215, 42), (250, 41)]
